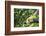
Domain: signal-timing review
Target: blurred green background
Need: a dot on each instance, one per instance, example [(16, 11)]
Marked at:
[(21, 15)]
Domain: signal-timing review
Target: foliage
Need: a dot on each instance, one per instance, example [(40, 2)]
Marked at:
[(20, 16)]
